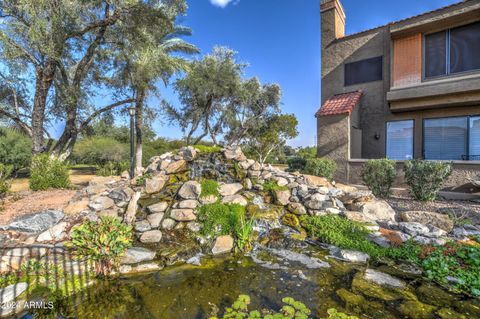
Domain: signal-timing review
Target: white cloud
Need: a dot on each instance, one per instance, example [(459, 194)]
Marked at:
[(221, 3)]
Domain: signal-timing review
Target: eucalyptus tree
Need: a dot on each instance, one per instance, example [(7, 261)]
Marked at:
[(61, 45), (205, 92), (146, 57)]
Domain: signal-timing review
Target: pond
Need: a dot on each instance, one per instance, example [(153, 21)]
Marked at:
[(196, 292)]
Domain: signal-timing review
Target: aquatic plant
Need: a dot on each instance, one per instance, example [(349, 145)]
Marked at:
[(335, 314), (290, 310), (209, 188), (103, 242)]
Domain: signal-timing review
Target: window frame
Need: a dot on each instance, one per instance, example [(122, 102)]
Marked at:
[(448, 73), (382, 77), (414, 122), (467, 148)]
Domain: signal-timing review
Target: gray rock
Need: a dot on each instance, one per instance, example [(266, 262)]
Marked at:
[(375, 210), (435, 232), (296, 208), (234, 153), (281, 181), (429, 241), (188, 153), (414, 229), (155, 184), (190, 190), (143, 226), (210, 199), (246, 164), (56, 233), (36, 223), (230, 189), (378, 239), (194, 227), (101, 203), (176, 167), (248, 183), (10, 293), (151, 236), (441, 221), (183, 215), (235, 199), (464, 232), (121, 194), (383, 279), (350, 255), (155, 219), (282, 197), (137, 255), (158, 208), (196, 260), (168, 224), (189, 203), (309, 262)]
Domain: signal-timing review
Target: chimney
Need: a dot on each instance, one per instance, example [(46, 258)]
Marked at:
[(333, 21)]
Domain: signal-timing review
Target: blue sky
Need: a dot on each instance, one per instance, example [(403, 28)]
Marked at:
[(280, 39)]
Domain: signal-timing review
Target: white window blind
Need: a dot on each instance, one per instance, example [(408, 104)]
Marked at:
[(445, 138), (400, 140)]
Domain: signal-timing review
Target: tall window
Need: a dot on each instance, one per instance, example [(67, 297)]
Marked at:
[(364, 71), (400, 140), (474, 133), (452, 51), (446, 138)]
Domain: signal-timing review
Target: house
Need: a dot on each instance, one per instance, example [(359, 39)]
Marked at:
[(408, 89)]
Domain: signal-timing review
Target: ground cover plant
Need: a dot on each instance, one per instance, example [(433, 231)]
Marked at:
[(209, 187)]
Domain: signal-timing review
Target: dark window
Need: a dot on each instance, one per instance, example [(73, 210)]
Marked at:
[(465, 48), (452, 51), (436, 54), (364, 71), (400, 140), (445, 138), (474, 136)]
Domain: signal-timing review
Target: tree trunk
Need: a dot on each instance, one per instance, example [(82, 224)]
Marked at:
[(139, 132), (44, 79)]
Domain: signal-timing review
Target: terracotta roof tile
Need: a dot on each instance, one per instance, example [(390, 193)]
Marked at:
[(340, 104)]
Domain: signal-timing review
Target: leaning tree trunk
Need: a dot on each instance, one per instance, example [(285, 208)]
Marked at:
[(139, 131)]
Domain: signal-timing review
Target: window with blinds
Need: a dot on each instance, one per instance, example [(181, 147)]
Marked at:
[(474, 137), (445, 138), (364, 71), (452, 51), (400, 140)]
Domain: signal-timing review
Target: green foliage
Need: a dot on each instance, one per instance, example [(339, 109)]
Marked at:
[(425, 178), (47, 172), (347, 234), (208, 148), (379, 176), (322, 167), (113, 168), (335, 314), (209, 188), (104, 242), (100, 151), (15, 149), (291, 309), (160, 146), (227, 219), (307, 152), (296, 164), (454, 260), (5, 172), (272, 186)]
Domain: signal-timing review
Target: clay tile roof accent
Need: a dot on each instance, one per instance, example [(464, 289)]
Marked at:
[(340, 104)]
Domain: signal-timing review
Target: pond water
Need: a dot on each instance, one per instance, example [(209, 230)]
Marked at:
[(194, 292)]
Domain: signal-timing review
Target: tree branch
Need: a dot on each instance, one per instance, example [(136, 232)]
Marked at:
[(107, 108), (24, 126)]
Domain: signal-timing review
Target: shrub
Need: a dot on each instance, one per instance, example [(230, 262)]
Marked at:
[(100, 151), (47, 172), (103, 242), (15, 149), (296, 164), (113, 168), (5, 172), (379, 176), (291, 309), (322, 167), (425, 178), (209, 188)]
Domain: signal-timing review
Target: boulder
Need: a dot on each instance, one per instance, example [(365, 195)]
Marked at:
[(137, 255), (234, 153), (158, 207), (415, 309), (383, 279), (131, 211), (108, 213), (76, 207), (56, 233), (189, 153), (155, 219), (296, 208), (248, 183), (151, 236), (246, 164), (121, 194), (101, 203), (230, 189), (281, 181), (142, 226), (10, 293), (176, 167), (223, 244), (441, 221), (155, 184), (168, 224), (317, 181), (414, 229), (350, 255), (282, 197), (190, 190), (36, 223), (357, 217), (375, 210), (183, 215), (235, 199), (363, 196), (189, 203)]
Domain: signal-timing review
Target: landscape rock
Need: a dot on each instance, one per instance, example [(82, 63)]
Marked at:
[(36, 223), (137, 255), (142, 226), (375, 210), (151, 236), (350, 255), (76, 207), (230, 189), (188, 153), (210, 199), (282, 197), (235, 199), (121, 194), (317, 181), (10, 293), (223, 244), (155, 219), (101, 203), (189, 203), (190, 190), (413, 229), (234, 153), (155, 184), (296, 208), (383, 279), (441, 221), (363, 196), (168, 224), (158, 208), (176, 167), (183, 215), (56, 233)]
